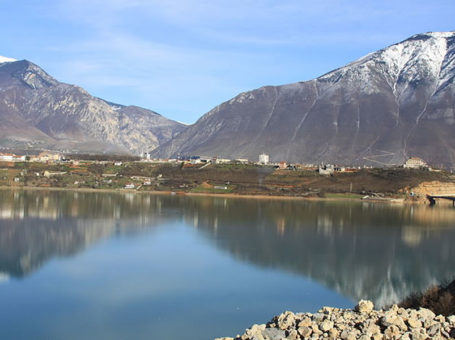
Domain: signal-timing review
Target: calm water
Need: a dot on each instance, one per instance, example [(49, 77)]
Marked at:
[(126, 266)]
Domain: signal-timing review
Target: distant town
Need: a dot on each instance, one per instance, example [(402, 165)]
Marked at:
[(213, 175)]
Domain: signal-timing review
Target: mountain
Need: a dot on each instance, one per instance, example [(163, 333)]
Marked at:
[(38, 112), (381, 109)]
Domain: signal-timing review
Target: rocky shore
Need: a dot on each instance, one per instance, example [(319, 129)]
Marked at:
[(363, 323)]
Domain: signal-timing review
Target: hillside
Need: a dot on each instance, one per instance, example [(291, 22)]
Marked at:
[(39, 112), (379, 110)]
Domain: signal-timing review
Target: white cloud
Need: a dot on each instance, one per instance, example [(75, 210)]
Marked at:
[(207, 51)]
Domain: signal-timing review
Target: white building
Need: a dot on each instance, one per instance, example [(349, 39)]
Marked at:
[(50, 174), (264, 158), (326, 169), (7, 157), (415, 163), (47, 156), (222, 161), (10, 157)]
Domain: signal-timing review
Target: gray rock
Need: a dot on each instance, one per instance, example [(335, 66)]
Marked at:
[(406, 336), (326, 325), (273, 334), (392, 332), (293, 335), (315, 329), (417, 335), (414, 323), (305, 331), (426, 314), (318, 317), (364, 306), (286, 320), (364, 326), (333, 334), (390, 318), (451, 319), (434, 329)]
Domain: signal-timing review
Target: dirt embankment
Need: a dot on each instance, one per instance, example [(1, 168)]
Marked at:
[(420, 192)]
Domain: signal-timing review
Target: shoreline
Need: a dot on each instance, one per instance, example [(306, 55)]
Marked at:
[(223, 195)]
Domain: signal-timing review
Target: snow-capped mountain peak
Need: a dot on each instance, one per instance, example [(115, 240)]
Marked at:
[(420, 58), (387, 106), (6, 59), (448, 34)]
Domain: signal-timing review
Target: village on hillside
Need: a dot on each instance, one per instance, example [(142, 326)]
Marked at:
[(214, 175)]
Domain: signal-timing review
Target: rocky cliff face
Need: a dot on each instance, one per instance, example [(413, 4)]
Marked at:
[(387, 106), (37, 111)]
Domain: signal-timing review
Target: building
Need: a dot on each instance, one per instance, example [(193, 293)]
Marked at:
[(195, 160), (17, 158), (50, 174), (47, 157), (326, 169), (282, 165), (6, 157), (264, 159), (222, 161), (147, 156), (10, 157), (415, 163)]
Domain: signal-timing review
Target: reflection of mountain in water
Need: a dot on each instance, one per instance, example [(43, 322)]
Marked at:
[(361, 250), (37, 225)]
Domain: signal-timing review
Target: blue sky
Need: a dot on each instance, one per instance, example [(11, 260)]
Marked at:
[(183, 57)]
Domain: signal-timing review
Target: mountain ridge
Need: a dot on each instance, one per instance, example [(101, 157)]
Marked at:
[(391, 104), (39, 112)]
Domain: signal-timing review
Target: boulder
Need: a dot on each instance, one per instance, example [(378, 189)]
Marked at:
[(364, 306)]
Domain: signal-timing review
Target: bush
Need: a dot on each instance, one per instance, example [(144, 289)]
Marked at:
[(439, 299)]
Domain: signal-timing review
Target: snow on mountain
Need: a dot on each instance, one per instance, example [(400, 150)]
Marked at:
[(420, 55), (381, 109), (6, 60)]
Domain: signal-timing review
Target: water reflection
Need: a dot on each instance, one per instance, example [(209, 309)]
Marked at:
[(35, 226), (361, 250), (370, 251)]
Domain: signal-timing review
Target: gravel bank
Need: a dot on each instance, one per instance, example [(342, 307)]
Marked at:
[(363, 323)]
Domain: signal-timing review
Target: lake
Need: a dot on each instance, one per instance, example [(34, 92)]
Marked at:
[(84, 265)]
